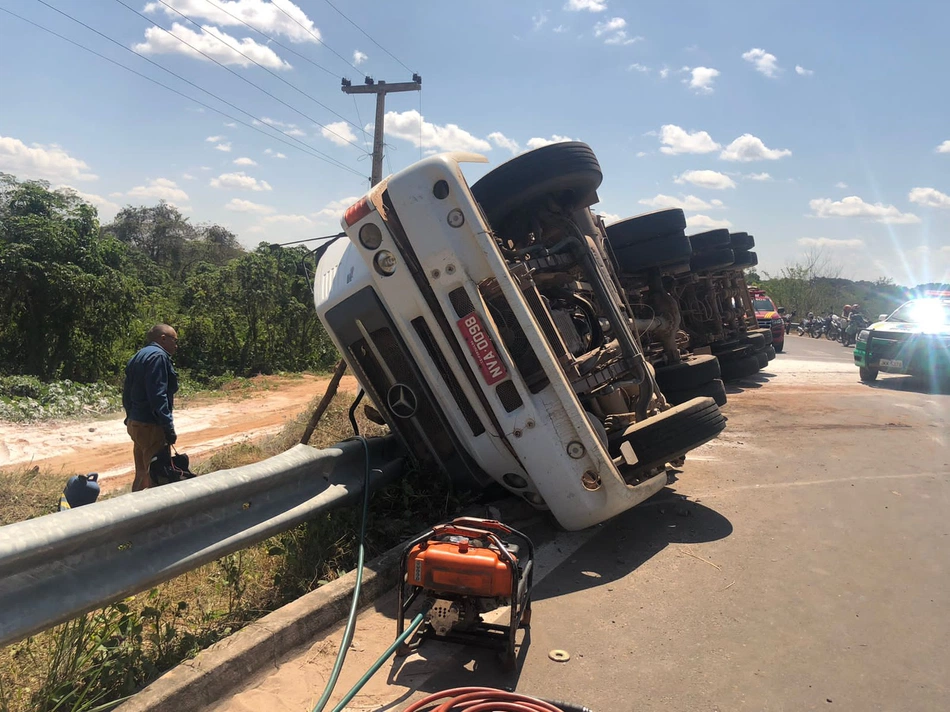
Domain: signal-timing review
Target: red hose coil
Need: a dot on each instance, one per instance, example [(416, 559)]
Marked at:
[(480, 699)]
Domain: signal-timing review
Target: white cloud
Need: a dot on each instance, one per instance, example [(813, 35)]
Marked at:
[(244, 52), (759, 176), (559, 29), (187, 176), (451, 137), (637, 67), (608, 217), (620, 38), (944, 147), (664, 73), (537, 142), (829, 242), (801, 71), (707, 179), (215, 139), (678, 140), (272, 152), (701, 79), (105, 207), (689, 203), (764, 62), (750, 148), (706, 223), (273, 18), (335, 208), (841, 184), (502, 141), (539, 20), (611, 25), (244, 161), (929, 197), (339, 132), (239, 180), (359, 57), (226, 147), (161, 189), (287, 220), (589, 5), (289, 129), (246, 206), (855, 207), (48, 162), (641, 154), (230, 124)]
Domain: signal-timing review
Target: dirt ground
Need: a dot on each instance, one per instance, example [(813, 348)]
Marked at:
[(102, 445), (799, 562)]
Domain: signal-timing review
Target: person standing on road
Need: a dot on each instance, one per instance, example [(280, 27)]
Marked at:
[(149, 398)]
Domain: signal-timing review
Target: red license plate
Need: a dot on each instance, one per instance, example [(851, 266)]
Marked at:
[(492, 368)]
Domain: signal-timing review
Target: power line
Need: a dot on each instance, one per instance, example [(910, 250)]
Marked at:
[(306, 147), (308, 239), (271, 39), (367, 35), (239, 76), (315, 36)]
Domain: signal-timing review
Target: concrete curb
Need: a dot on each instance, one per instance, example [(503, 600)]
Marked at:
[(227, 665)]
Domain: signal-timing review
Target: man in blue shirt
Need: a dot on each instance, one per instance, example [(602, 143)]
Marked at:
[(149, 398)]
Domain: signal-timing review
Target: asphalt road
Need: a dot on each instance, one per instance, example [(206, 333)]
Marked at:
[(799, 562)]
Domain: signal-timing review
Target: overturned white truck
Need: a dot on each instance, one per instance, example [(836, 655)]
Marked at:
[(490, 330)]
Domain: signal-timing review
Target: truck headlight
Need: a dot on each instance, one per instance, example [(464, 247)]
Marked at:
[(863, 335)]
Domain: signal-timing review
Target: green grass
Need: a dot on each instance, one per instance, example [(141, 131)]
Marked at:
[(114, 651)]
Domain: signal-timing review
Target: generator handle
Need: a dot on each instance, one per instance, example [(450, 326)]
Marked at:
[(478, 523)]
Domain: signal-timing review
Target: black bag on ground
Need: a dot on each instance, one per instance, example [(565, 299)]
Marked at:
[(165, 467)]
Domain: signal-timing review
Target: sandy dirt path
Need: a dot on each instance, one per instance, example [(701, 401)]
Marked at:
[(102, 445)]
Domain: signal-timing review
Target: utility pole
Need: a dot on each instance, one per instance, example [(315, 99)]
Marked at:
[(380, 89)]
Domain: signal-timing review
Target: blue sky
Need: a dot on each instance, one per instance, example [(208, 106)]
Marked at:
[(808, 124)]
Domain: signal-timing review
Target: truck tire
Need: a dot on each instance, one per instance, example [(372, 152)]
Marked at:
[(757, 341), (646, 227), (766, 334), (568, 171), (741, 241), (674, 432), (739, 368), (688, 374), (745, 259), (712, 260), (868, 375), (731, 351), (763, 358), (714, 389), (659, 252), (770, 351), (710, 240)]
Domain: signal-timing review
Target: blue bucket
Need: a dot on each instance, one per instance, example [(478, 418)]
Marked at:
[(80, 490)]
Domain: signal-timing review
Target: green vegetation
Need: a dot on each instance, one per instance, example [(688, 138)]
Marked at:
[(76, 299), (814, 284), (27, 399)]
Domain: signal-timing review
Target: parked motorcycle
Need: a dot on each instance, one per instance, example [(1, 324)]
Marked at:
[(816, 328)]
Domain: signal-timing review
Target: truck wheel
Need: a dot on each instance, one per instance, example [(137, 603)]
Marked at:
[(763, 359), (674, 432), (745, 259), (568, 171), (712, 260), (713, 389), (691, 373), (779, 346), (741, 241), (740, 368), (770, 351), (646, 228), (710, 240), (659, 252), (868, 374), (756, 341)]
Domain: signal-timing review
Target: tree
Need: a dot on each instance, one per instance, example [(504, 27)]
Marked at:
[(65, 302)]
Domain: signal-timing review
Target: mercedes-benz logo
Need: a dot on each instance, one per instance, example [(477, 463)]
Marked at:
[(402, 401)]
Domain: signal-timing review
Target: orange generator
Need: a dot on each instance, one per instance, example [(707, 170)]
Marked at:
[(462, 570)]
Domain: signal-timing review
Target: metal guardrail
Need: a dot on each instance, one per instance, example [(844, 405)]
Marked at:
[(59, 566)]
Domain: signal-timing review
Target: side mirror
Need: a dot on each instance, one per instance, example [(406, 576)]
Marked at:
[(781, 310), (882, 317)]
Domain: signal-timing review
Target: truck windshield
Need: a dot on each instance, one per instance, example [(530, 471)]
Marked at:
[(763, 304), (928, 312)]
